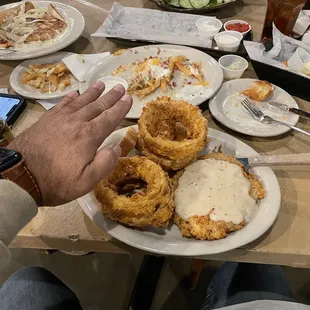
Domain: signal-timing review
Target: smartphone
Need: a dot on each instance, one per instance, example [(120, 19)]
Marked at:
[(11, 107)]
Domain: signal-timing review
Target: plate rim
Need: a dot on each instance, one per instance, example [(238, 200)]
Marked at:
[(38, 96), (89, 73), (213, 106), (205, 9), (175, 251), (52, 49)]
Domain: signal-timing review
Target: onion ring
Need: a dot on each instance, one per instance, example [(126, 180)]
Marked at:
[(157, 137), (153, 205), (165, 162)]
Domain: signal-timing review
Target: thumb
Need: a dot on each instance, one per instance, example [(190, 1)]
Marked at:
[(103, 164)]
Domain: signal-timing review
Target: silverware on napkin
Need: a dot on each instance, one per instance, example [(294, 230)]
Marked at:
[(284, 107), (258, 115), (276, 160)]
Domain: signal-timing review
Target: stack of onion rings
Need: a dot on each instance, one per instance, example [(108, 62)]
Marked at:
[(152, 205), (158, 140)]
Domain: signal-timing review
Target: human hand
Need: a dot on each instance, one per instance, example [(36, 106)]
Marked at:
[(60, 150)]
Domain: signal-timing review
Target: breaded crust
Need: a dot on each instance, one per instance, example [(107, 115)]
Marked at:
[(171, 132), (260, 91), (128, 143), (165, 162), (202, 227), (153, 206)]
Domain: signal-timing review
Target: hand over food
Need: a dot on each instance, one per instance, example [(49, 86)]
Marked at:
[(60, 149)]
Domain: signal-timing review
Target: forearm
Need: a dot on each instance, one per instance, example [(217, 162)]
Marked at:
[(17, 208)]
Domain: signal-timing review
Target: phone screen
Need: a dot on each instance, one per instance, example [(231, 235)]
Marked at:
[(6, 105)]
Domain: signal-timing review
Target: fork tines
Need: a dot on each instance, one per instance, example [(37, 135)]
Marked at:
[(251, 108)]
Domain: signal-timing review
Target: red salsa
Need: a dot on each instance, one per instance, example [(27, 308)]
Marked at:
[(238, 27)]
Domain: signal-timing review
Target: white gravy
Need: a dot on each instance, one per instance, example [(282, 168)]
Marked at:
[(217, 187)]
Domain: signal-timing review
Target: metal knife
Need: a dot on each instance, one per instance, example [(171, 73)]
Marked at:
[(275, 160), (289, 109)]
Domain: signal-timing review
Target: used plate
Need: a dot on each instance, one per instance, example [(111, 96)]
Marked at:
[(211, 70), (168, 241), (227, 109), (209, 8), (75, 28), (31, 92)]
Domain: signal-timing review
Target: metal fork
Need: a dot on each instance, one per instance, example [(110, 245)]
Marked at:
[(258, 115)]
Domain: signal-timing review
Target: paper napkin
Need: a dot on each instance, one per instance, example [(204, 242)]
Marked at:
[(4, 91), (79, 64), (48, 104)]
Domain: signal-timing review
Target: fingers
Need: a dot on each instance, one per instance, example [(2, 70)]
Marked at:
[(69, 98), (103, 164), (107, 121), (90, 95), (102, 104)]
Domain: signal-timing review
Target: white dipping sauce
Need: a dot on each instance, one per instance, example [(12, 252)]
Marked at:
[(227, 39), (217, 188), (205, 25), (110, 82)]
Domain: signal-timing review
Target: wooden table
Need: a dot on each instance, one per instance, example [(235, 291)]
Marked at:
[(67, 228)]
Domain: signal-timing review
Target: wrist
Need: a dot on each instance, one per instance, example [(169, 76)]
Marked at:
[(14, 168)]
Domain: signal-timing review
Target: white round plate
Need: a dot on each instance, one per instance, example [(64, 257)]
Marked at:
[(211, 70), (75, 28), (226, 107), (31, 92), (168, 241)]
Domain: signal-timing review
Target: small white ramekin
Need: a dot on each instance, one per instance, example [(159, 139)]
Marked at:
[(212, 21), (229, 47), (237, 21), (230, 74)]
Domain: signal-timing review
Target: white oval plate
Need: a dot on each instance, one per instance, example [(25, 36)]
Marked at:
[(34, 93), (226, 107), (211, 70), (75, 29), (168, 241)]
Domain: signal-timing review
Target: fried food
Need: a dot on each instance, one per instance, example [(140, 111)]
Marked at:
[(215, 197), (128, 143), (47, 77), (260, 90), (27, 24), (190, 69), (151, 74), (171, 132), (154, 73), (137, 193)]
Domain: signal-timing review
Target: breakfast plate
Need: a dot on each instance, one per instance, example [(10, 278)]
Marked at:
[(168, 241), (226, 107), (182, 87), (35, 93), (75, 25)]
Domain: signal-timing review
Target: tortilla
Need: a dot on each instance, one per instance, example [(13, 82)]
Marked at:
[(8, 14)]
